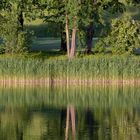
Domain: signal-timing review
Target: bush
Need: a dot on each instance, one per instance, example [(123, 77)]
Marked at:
[(24, 41), (100, 47), (15, 39), (2, 50), (124, 35)]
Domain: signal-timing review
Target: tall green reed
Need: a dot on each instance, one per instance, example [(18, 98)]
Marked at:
[(90, 68)]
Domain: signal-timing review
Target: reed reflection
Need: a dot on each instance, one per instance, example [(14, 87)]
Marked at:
[(34, 114)]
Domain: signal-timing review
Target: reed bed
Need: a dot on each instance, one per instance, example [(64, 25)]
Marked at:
[(101, 68)]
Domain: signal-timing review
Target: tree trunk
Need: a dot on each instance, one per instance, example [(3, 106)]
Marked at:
[(67, 36), (71, 116), (67, 123), (73, 43), (63, 39), (73, 123), (89, 38), (21, 21)]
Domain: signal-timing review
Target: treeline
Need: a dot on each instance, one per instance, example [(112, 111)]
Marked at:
[(75, 18)]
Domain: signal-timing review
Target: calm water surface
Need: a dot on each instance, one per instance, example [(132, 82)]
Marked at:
[(72, 113)]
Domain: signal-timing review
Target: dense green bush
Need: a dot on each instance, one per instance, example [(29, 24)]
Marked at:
[(100, 47), (123, 37), (15, 39), (24, 41)]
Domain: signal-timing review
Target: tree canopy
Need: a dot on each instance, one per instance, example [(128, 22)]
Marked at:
[(72, 16)]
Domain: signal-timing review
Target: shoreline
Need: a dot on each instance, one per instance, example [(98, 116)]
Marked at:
[(48, 81)]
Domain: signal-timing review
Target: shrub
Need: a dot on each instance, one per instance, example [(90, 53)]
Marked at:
[(2, 50), (123, 37), (24, 41), (100, 47), (15, 39)]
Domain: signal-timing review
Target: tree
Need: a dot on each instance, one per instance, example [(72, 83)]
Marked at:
[(76, 19), (72, 19), (124, 36), (132, 2), (94, 15), (62, 12), (53, 12), (16, 38)]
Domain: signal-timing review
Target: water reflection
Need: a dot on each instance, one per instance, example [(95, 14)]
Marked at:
[(106, 113), (70, 119)]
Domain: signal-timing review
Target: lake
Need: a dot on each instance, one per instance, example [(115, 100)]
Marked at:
[(70, 113)]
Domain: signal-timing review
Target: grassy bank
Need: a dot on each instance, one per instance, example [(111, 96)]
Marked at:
[(90, 68)]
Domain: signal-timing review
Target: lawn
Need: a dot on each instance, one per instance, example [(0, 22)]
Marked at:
[(46, 44)]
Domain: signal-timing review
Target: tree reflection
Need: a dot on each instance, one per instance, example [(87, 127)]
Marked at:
[(70, 119), (92, 124), (35, 115)]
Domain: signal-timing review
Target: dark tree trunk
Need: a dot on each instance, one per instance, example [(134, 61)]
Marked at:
[(62, 121), (90, 122), (63, 39), (21, 20), (89, 39)]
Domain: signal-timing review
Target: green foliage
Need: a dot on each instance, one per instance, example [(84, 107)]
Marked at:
[(2, 50), (9, 31), (132, 2), (94, 15), (15, 37), (15, 40), (72, 10), (24, 42), (54, 10), (42, 30), (128, 37), (100, 47), (124, 36)]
